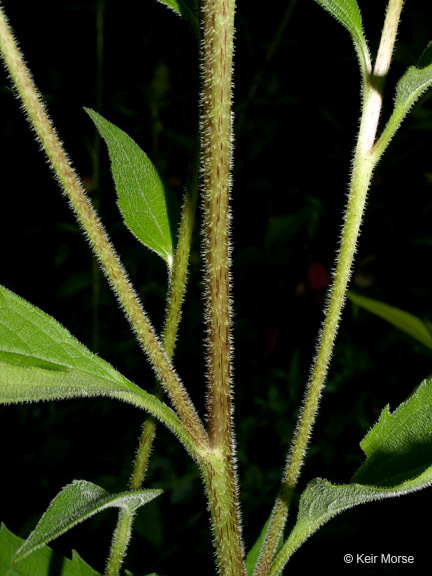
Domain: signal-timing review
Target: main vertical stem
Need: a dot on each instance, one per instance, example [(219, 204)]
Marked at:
[(216, 146), (216, 129)]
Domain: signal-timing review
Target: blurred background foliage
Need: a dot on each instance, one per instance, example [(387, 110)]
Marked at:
[(296, 114)]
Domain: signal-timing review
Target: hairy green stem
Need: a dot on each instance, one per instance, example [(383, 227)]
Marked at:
[(363, 165), (174, 302), (96, 234), (121, 539), (221, 491), (111, 264)]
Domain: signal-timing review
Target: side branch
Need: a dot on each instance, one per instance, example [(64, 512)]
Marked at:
[(363, 166), (96, 234)]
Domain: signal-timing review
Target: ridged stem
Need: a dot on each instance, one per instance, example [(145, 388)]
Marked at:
[(363, 165), (216, 146), (216, 133), (221, 491)]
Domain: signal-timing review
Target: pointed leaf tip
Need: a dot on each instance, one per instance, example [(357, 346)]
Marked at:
[(77, 502), (148, 206), (404, 321), (415, 81), (348, 14), (41, 360), (188, 9), (399, 447)]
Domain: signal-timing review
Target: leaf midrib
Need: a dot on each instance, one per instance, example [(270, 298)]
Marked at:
[(139, 188)]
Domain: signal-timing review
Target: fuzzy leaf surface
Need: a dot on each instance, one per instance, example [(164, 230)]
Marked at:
[(41, 360), (399, 447), (408, 323), (348, 14), (77, 502), (398, 461), (188, 9), (44, 562), (146, 204), (415, 81)]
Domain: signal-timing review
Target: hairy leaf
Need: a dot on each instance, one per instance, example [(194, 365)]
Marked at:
[(415, 81), (41, 360), (399, 446), (398, 453), (75, 503), (348, 14), (40, 563), (147, 205), (411, 325), (188, 9)]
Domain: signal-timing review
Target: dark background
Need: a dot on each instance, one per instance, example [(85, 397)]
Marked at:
[(296, 103)]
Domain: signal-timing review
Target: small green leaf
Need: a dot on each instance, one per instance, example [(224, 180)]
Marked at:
[(398, 453), (40, 563), (405, 321), (415, 81), (147, 205), (348, 14), (75, 503), (188, 9), (41, 360)]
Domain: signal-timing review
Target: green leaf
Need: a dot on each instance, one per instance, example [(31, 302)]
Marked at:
[(399, 446), (41, 360), (348, 14), (40, 563), (75, 503), (188, 9), (411, 325), (398, 453), (147, 205), (415, 81)]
